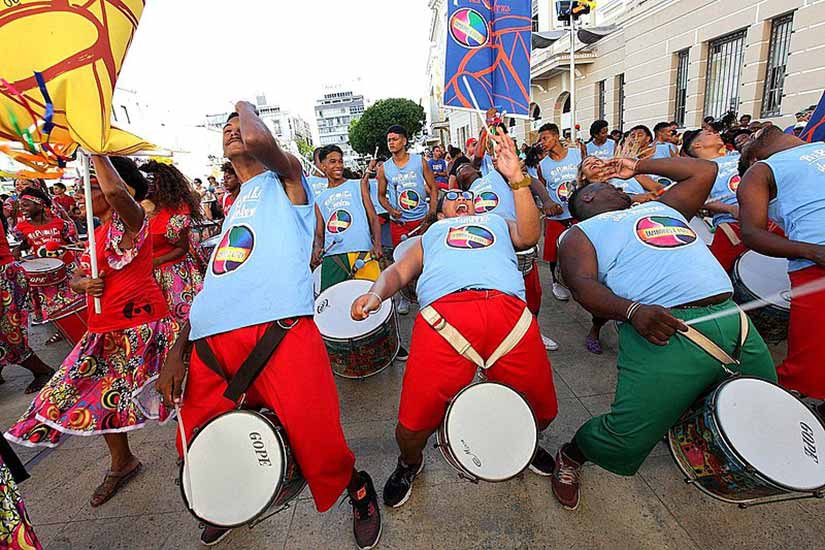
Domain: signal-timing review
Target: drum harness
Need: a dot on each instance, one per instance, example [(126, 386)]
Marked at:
[(730, 234), (463, 346), (711, 348)]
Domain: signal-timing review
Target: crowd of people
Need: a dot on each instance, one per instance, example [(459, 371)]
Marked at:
[(171, 326)]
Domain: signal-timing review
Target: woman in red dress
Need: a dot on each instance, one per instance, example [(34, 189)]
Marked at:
[(176, 209), (99, 388)]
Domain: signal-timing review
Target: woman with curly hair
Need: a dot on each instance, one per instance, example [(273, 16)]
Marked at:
[(176, 208)]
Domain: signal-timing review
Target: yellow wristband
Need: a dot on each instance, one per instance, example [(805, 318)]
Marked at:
[(525, 182)]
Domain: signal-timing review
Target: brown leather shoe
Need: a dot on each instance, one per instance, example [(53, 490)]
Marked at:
[(566, 481)]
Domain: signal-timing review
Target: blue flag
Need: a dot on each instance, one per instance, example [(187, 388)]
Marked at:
[(488, 50), (815, 130)]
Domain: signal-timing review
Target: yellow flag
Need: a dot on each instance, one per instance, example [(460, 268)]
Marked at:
[(78, 47)]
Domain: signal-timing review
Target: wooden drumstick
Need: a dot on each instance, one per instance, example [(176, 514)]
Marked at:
[(187, 478)]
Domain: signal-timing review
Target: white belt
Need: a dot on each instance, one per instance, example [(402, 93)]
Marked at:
[(465, 349)]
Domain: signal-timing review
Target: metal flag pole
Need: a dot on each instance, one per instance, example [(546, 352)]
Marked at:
[(572, 77), (478, 109), (90, 220)]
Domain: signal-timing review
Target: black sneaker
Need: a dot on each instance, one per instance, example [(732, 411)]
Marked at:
[(210, 536), (398, 488), (543, 463), (402, 354), (366, 517)]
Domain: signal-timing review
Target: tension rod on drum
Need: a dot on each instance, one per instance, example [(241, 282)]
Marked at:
[(788, 499)]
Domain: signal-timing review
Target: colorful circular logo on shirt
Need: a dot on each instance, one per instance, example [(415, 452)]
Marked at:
[(664, 232), (469, 28), (470, 237), (564, 191), (339, 221), (234, 250), (486, 202), (409, 200), (733, 183)]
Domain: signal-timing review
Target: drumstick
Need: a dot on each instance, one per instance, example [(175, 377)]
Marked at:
[(186, 476), (804, 290), (335, 241), (411, 233)]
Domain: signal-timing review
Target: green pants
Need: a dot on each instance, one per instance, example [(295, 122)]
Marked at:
[(657, 384)]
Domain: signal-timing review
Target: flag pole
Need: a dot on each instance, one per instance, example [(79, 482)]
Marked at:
[(477, 109), (573, 135), (90, 220)]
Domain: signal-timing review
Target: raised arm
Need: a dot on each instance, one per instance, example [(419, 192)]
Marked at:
[(117, 194), (262, 145), (432, 188), (526, 230)]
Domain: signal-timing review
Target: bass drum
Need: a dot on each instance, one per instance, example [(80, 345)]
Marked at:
[(758, 277), (408, 291)]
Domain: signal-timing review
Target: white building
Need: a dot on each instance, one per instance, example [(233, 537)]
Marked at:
[(333, 114), (287, 126)]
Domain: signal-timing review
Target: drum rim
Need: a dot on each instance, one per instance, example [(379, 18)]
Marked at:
[(57, 266), (444, 442), (390, 316), (276, 429), (410, 239), (737, 279), (713, 408)]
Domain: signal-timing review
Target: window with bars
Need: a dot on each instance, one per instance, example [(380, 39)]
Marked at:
[(781, 30), (620, 95), (683, 61), (535, 18), (602, 93), (725, 57)]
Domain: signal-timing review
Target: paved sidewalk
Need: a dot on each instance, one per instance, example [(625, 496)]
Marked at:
[(654, 509)]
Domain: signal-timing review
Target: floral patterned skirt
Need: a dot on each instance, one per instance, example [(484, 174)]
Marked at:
[(180, 283), (103, 386), (16, 531), (14, 315)]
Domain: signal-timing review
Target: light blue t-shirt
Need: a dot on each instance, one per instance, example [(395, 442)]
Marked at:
[(345, 220), (407, 189), (259, 272), (725, 186), (560, 177), (318, 184), (605, 151), (494, 196), (649, 254), (664, 151), (799, 174), (630, 186), (533, 172), (438, 165), (379, 208), (468, 252), (487, 165)]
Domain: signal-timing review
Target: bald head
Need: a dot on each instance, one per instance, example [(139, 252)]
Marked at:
[(597, 198), (766, 142)]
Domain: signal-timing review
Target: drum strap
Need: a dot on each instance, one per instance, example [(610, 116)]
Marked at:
[(463, 346), (730, 234), (252, 366), (712, 349)]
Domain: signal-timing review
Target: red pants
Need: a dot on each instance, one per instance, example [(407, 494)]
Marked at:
[(552, 230), (724, 250), (436, 372), (532, 286), (297, 385), (804, 367), (398, 230)]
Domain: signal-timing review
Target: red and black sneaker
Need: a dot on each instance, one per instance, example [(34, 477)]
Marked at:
[(566, 480), (366, 517)]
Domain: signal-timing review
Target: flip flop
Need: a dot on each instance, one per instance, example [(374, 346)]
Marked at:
[(39, 381), (593, 345), (112, 483)]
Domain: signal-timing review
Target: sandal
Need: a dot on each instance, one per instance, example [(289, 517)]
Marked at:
[(56, 337), (593, 345), (39, 381), (112, 483)]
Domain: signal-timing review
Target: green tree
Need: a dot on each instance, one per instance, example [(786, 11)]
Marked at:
[(304, 148), (370, 131)]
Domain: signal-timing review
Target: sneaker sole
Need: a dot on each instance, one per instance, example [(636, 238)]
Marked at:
[(218, 540), (409, 491), (539, 472), (377, 539), (569, 508)]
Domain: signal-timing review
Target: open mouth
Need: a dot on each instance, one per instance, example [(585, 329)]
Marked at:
[(462, 208)]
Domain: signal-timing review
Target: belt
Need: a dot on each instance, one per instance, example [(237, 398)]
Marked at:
[(465, 348)]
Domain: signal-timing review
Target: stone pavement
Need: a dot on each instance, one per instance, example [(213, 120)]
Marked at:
[(654, 509)]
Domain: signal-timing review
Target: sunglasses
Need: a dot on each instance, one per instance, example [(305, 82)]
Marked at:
[(454, 195)]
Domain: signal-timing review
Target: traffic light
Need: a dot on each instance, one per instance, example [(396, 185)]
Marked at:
[(579, 8)]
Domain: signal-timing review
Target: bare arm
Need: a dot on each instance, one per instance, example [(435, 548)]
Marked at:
[(117, 194), (390, 282), (719, 207), (648, 184), (548, 205), (318, 245), (262, 145), (179, 251), (382, 193), (432, 188), (526, 230)]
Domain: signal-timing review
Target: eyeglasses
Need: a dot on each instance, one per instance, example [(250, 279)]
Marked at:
[(454, 195)]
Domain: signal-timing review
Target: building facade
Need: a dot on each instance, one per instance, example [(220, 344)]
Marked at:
[(333, 114), (674, 60), (287, 126)]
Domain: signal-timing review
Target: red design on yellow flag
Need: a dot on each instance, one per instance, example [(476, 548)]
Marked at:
[(78, 47)]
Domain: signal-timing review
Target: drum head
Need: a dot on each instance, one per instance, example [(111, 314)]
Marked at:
[(236, 466), (402, 248), (773, 432), (765, 277), (333, 307), (491, 431), (42, 265), (701, 229)]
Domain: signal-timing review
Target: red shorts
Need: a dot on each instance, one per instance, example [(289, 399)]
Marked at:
[(436, 372), (804, 367), (724, 250), (297, 385), (532, 287), (552, 230), (398, 230)]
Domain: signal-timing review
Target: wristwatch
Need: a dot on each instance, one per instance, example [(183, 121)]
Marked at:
[(525, 182)]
